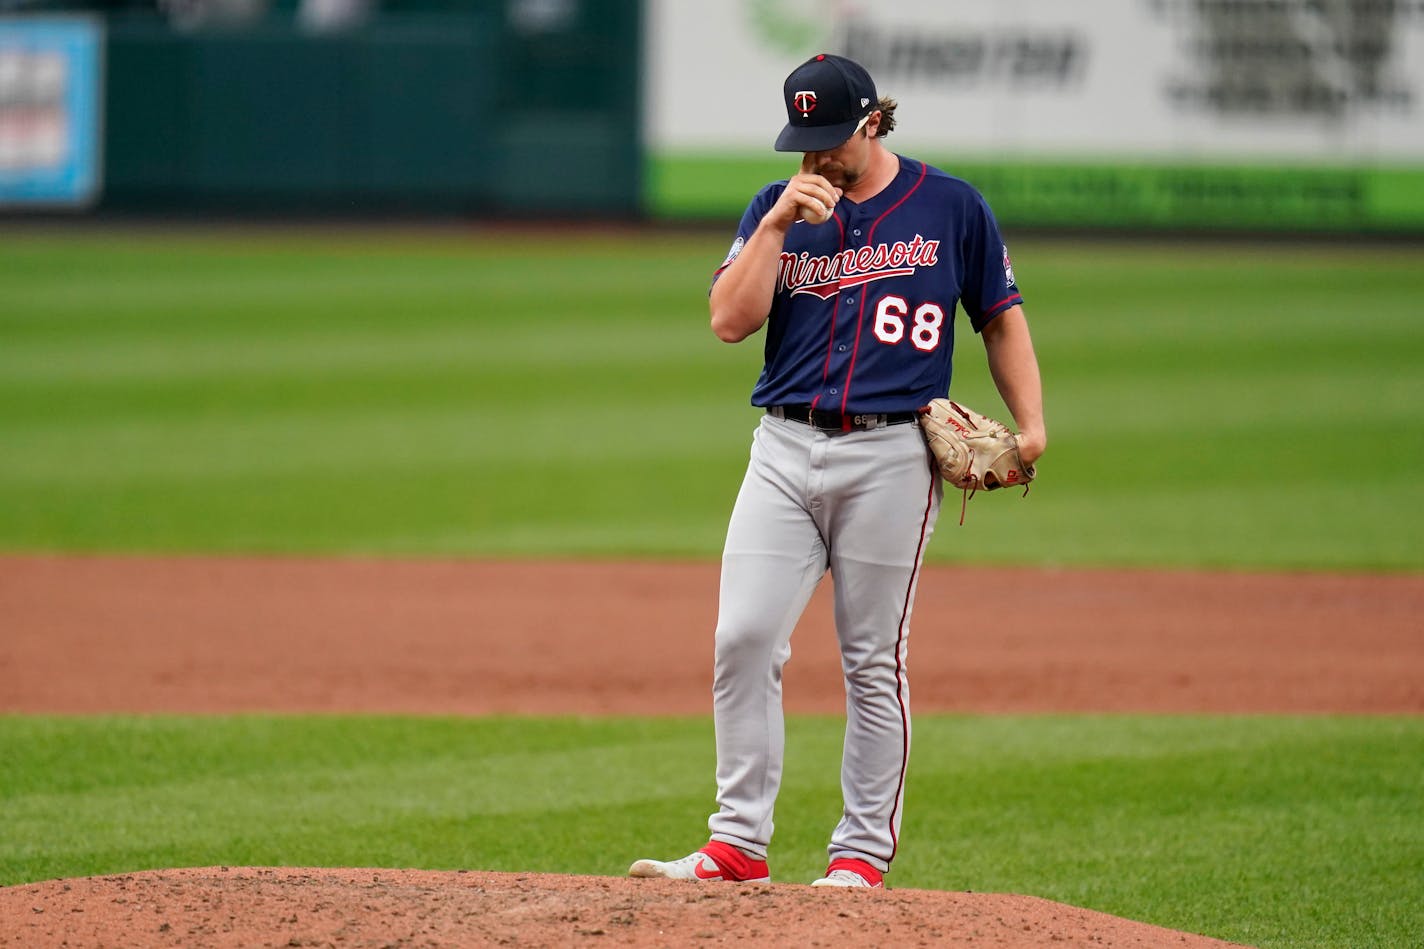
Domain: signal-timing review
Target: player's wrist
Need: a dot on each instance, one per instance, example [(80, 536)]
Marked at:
[(1032, 443), (779, 220)]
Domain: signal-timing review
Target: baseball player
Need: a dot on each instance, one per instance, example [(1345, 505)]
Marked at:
[(854, 266)]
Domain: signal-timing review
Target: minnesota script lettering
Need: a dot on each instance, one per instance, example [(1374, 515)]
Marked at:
[(824, 275)]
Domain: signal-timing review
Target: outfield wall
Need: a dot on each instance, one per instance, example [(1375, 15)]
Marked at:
[(1261, 114), (523, 108)]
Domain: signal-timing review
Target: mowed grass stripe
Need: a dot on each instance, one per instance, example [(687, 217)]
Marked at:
[(357, 795), (475, 394), (1277, 831)]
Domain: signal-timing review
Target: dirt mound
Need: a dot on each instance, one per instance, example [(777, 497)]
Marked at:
[(243, 906), (89, 635)]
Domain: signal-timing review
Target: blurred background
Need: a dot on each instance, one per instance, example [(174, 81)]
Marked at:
[(1276, 115), (428, 279), (328, 275)]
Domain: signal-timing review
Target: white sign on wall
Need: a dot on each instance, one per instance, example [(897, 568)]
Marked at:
[(1295, 80)]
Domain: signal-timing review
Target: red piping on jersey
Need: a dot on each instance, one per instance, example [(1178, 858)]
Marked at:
[(831, 340), (1002, 304), (860, 317), (900, 672)]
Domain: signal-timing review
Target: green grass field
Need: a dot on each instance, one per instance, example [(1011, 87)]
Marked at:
[(497, 395), (1272, 831), (503, 396)]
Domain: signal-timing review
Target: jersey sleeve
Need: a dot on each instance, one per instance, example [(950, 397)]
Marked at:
[(989, 285), (751, 217)]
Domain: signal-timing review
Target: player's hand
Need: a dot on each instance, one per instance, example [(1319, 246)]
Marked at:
[(808, 196)]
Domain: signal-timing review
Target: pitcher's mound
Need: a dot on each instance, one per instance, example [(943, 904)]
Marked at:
[(247, 906)]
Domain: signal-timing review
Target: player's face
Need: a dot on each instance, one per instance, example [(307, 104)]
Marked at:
[(844, 165)]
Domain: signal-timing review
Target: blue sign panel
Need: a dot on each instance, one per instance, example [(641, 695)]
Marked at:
[(51, 81)]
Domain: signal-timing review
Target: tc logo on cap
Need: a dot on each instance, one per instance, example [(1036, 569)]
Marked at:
[(826, 99)]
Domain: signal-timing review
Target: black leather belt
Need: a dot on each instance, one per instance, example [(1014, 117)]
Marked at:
[(829, 421)]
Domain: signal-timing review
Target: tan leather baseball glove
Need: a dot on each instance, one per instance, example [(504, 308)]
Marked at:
[(973, 451)]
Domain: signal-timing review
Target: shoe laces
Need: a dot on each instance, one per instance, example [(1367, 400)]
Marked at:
[(848, 877)]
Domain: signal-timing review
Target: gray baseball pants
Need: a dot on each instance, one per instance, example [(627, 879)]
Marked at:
[(862, 504)]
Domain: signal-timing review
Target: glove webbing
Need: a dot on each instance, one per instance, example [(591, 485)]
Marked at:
[(969, 492)]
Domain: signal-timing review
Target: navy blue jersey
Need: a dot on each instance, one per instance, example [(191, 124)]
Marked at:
[(862, 319)]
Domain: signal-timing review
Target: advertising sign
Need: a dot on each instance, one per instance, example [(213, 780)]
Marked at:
[(1133, 111), (50, 111)]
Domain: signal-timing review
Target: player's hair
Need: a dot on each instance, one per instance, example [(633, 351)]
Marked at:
[(886, 105)]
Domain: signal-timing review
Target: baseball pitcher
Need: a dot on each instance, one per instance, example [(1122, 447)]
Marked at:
[(854, 267)]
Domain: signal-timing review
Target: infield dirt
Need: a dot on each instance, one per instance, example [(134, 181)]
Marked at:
[(98, 634)]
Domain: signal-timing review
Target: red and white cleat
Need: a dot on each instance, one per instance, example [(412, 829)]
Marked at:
[(849, 872), (716, 861)]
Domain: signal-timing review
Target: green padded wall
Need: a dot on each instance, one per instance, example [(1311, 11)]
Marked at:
[(445, 107)]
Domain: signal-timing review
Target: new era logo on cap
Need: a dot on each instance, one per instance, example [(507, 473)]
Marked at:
[(826, 97)]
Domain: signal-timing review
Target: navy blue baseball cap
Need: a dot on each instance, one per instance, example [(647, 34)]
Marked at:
[(827, 98)]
